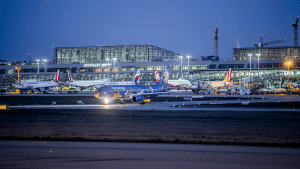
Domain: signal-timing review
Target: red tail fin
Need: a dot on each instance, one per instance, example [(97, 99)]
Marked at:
[(56, 77), (69, 77), (157, 77), (228, 76)]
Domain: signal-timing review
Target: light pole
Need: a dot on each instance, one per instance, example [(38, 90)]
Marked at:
[(38, 60), (29, 57), (250, 55), (45, 61), (18, 69), (107, 68), (188, 64), (114, 70), (288, 64), (258, 55), (114, 59), (181, 65)]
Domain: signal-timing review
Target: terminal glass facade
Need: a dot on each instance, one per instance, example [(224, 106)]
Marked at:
[(274, 53), (111, 54)]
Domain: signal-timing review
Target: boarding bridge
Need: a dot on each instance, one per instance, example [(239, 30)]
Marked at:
[(205, 88)]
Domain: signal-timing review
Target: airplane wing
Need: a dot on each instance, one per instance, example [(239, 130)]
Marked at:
[(141, 97), (148, 95)]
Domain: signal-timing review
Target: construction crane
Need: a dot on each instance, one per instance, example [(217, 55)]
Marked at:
[(295, 25), (216, 42), (267, 43)]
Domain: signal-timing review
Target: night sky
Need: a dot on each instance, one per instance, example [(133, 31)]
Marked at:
[(183, 26)]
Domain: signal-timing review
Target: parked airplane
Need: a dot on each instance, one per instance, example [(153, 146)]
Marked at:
[(173, 83), (90, 83), (226, 81), (212, 58), (39, 86), (135, 81), (217, 84), (137, 93)]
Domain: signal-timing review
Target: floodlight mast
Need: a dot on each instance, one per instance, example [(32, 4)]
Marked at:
[(216, 42)]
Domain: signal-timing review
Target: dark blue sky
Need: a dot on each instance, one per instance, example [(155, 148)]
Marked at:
[(183, 26)]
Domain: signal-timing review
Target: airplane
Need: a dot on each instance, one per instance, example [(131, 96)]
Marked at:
[(217, 84), (39, 86), (135, 81), (174, 83), (137, 93), (89, 83), (212, 58)]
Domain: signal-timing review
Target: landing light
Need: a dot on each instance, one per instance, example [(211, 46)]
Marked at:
[(106, 100)]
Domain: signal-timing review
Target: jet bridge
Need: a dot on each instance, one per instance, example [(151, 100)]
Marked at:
[(202, 88)]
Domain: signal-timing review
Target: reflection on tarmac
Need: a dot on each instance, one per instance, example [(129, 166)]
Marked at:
[(44, 154)]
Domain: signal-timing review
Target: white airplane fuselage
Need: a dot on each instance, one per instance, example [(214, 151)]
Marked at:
[(119, 83), (216, 84), (37, 86), (85, 83), (179, 82)]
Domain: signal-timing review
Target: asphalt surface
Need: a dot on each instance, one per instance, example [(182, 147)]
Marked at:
[(45, 154), (205, 131), (262, 128)]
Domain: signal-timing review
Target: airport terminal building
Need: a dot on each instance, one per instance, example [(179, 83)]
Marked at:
[(109, 54), (120, 63), (267, 53)]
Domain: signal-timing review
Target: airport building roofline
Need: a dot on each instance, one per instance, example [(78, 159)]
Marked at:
[(274, 47)]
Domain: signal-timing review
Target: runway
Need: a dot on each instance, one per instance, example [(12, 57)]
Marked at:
[(45, 154), (263, 128)]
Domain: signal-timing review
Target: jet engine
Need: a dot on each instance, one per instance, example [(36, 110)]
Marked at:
[(137, 99)]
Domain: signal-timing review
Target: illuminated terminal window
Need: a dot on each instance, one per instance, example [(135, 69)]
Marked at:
[(176, 67), (156, 68), (142, 67), (105, 54)]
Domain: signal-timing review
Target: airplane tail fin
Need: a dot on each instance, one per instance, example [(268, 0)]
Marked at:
[(69, 77), (157, 77), (228, 76), (164, 81), (56, 77), (136, 78)]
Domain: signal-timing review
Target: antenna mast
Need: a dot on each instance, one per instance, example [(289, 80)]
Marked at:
[(216, 42)]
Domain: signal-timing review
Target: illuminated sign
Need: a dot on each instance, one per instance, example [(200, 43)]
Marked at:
[(92, 65), (96, 65)]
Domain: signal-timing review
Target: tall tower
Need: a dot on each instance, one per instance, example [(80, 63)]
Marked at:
[(216, 42), (295, 25)]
